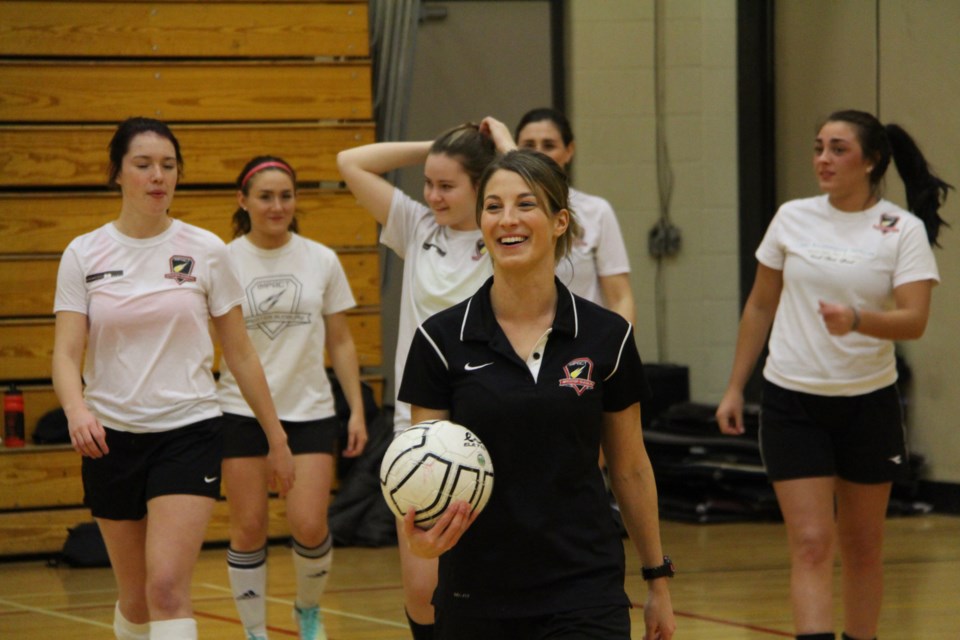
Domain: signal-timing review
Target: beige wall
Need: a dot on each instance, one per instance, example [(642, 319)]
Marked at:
[(829, 57), (611, 103)]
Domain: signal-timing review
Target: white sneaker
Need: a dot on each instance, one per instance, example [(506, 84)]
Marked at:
[(309, 623)]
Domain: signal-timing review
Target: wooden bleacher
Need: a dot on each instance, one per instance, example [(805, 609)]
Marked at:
[(233, 79)]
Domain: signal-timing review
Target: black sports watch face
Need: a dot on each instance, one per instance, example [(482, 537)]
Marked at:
[(666, 570)]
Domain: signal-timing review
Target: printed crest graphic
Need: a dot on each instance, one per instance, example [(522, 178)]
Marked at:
[(180, 269), (579, 372), (888, 223), (480, 250), (274, 303)]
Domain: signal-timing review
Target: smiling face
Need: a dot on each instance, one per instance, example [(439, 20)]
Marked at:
[(148, 174), (271, 202), (545, 137), (517, 230), (841, 169), (449, 192)]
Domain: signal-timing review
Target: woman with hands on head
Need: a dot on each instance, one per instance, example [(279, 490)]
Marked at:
[(560, 375), (840, 277), (297, 296), (136, 295), (445, 260)]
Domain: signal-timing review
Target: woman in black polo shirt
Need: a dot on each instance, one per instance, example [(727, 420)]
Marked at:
[(542, 377)]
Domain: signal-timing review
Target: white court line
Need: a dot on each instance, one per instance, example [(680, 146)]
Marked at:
[(54, 614), (344, 614)]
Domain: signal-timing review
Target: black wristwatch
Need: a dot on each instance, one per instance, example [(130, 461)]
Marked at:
[(666, 570)]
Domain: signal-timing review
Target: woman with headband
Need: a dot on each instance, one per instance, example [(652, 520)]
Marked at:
[(296, 298)]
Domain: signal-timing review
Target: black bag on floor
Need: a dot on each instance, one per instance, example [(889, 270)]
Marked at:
[(84, 547)]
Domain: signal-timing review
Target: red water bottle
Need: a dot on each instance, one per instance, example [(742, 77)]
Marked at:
[(13, 435)]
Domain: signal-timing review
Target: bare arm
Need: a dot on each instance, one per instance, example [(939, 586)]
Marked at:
[(618, 295), (499, 133), (346, 364), (633, 484), (70, 337), (241, 357), (907, 321), (755, 323), (362, 168)]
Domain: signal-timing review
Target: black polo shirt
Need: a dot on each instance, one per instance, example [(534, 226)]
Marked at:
[(546, 541)]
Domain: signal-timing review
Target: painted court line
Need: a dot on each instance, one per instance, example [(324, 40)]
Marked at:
[(54, 614), (722, 621), (325, 610)]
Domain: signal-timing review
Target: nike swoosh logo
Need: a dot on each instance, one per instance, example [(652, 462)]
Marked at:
[(470, 367), (208, 479)]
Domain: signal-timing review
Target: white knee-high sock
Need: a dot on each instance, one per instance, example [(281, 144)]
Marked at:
[(176, 629), (123, 629), (312, 567), (248, 580)]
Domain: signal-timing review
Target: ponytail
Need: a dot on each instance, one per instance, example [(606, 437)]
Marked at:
[(926, 193)]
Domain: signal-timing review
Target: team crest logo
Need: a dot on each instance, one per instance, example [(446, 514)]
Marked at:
[(274, 303), (578, 372), (180, 269), (888, 223), (480, 250)]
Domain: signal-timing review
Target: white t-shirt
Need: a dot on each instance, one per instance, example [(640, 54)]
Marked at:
[(148, 301), (441, 267), (599, 252), (844, 258), (289, 290)]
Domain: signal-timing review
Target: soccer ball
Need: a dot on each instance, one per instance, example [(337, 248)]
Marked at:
[(430, 465)]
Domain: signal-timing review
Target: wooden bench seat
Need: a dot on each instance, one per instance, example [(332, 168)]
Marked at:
[(184, 29), (75, 156), (108, 92)]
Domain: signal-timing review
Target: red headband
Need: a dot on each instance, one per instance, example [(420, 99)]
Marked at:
[(275, 164)]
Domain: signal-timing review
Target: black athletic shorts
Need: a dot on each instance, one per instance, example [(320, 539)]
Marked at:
[(857, 438), (244, 438), (142, 466), (597, 623)]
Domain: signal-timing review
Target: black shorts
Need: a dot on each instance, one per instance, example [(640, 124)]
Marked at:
[(600, 623), (142, 466), (244, 438), (857, 438)]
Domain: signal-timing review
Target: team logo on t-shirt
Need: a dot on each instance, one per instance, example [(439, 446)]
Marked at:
[(480, 250), (180, 269), (888, 223), (578, 372), (273, 304)]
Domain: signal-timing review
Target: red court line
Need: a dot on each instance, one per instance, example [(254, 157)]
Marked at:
[(727, 623)]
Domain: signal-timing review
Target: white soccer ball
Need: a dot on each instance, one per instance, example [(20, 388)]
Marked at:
[(432, 464)]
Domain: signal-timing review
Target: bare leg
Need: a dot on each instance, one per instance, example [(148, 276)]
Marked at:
[(176, 525), (808, 511), (861, 511)]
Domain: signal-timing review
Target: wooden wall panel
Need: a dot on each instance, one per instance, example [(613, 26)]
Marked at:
[(68, 156), (36, 223), (41, 91), (30, 480), (26, 349), (183, 29)]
